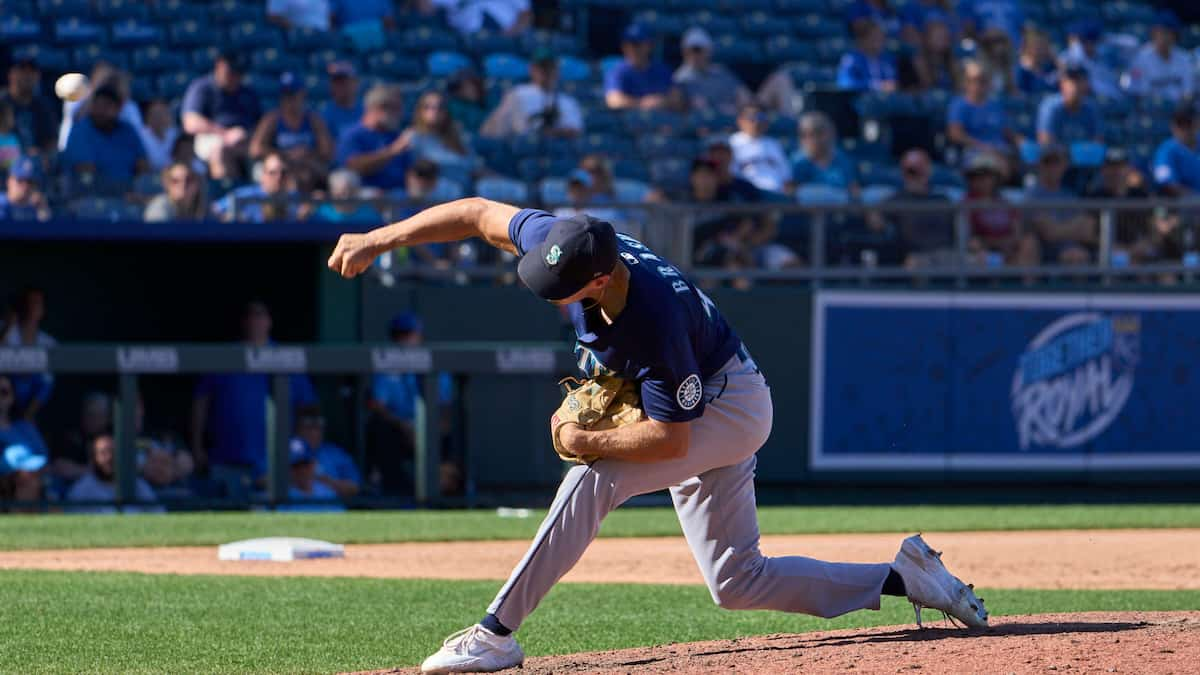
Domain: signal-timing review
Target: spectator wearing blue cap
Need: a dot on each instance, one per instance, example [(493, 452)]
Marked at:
[(308, 14), (229, 413), (1070, 116), (23, 453), (1176, 164), (1160, 68), (638, 81), (292, 129), (335, 468), (975, 121), (35, 117), (344, 108), (538, 107), (104, 145), (393, 407), (374, 148), (221, 111), (867, 67), (1084, 38), (99, 484), (1037, 72), (21, 199)]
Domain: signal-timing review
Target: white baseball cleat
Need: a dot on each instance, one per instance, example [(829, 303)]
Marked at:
[(475, 650), (930, 584)]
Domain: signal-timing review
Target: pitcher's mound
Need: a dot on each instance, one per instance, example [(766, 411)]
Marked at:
[(1094, 642)]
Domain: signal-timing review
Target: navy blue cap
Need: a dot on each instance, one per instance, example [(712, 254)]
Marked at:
[(290, 83), (637, 32), (576, 251), (299, 452), (24, 169), (405, 322)]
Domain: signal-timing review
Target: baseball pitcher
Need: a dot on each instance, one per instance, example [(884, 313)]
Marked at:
[(675, 402)]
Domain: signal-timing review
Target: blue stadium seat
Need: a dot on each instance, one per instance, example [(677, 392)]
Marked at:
[(104, 208), (266, 86), (20, 8), (831, 49), (709, 122), (190, 33), (552, 190), (571, 69), (392, 65), (818, 26), (122, 9), (148, 184), (783, 48), (820, 194), (633, 169), (667, 146), (489, 42), (782, 125), (445, 64), (74, 31), (1087, 155), (505, 67), (308, 39), (273, 61), (427, 39), (502, 189), (321, 58), (662, 22), (203, 58), (608, 63), (713, 22), (613, 145), (629, 191), (740, 6), (560, 43), (143, 88), (86, 58), (317, 86), (238, 11), (651, 122), (49, 59), (879, 173), (945, 176), (874, 194), (533, 169), (763, 24), (170, 12), (155, 59), (1121, 12), (670, 172), (55, 9), (135, 33), (801, 6), (251, 35), (173, 85)]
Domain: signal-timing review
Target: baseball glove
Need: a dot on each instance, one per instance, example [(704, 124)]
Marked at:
[(603, 402)]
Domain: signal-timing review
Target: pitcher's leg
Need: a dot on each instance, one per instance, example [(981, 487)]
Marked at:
[(719, 518)]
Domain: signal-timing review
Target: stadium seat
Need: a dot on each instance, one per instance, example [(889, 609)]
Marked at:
[(49, 59), (736, 48), (1014, 195), (633, 169), (148, 184), (308, 39), (553, 190), (629, 191), (651, 122), (502, 189), (238, 11), (77, 32), (762, 24), (1087, 155), (874, 194), (487, 42), (613, 145), (64, 9), (830, 49), (821, 194), (18, 30), (190, 33), (954, 194), (608, 63), (571, 69), (273, 61), (653, 145), (878, 173), (317, 86), (713, 22), (445, 64), (661, 22), (670, 172), (143, 88), (154, 59), (122, 9), (250, 35), (266, 86), (505, 67), (784, 48), (739, 6), (173, 85), (135, 33), (169, 12), (86, 58), (391, 65), (532, 169), (319, 59), (446, 190), (945, 176), (428, 40), (559, 43), (103, 208)]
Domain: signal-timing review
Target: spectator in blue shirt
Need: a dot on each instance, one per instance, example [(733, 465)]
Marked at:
[(980, 16), (24, 329), (102, 144), (344, 108), (365, 22), (1037, 73), (866, 67), (335, 468), (23, 453), (306, 490), (229, 413), (820, 160), (374, 148), (638, 81), (913, 16), (1177, 160), (974, 120), (1070, 116), (345, 205), (21, 199), (393, 405), (221, 112), (271, 198)]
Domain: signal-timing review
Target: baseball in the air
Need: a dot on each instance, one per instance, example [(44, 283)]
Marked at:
[(71, 87)]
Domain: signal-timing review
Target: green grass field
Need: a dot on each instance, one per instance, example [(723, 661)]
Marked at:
[(184, 529), (132, 623)]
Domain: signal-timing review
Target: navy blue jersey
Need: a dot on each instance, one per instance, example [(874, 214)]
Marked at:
[(670, 336)]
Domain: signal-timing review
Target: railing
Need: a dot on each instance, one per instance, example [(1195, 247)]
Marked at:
[(129, 362)]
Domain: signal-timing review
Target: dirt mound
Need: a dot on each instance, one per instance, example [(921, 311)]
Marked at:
[(1096, 642)]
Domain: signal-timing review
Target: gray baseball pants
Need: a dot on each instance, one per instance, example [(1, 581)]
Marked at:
[(712, 488)]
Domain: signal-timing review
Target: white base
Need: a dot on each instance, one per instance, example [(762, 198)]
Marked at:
[(280, 549)]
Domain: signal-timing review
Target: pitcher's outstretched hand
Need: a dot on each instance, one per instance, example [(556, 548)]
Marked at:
[(352, 255)]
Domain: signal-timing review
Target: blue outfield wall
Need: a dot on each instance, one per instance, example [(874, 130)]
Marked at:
[(1089, 383)]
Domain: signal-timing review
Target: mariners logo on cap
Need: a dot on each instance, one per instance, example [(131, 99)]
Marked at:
[(554, 254)]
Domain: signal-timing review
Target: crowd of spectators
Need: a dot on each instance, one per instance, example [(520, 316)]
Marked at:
[(996, 102), (224, 455)]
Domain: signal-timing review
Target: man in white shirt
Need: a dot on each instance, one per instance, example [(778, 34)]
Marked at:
[(536, 107), (511, 17), (299, 13), (1160, 68), (757, 157)]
